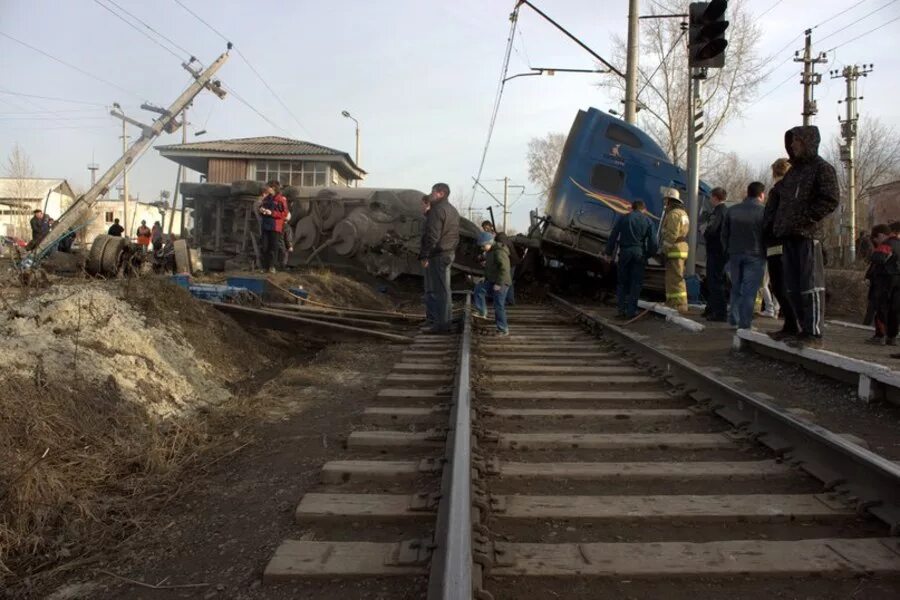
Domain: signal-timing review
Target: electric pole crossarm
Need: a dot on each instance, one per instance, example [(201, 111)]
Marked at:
[(81, 209), (570, 36)]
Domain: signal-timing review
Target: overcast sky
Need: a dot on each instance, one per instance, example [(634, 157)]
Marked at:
[(420, 75)]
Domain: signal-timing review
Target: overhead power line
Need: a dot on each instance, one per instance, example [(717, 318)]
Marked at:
[(885, 24), (770, 9), (254, 109), (835, 16), (661, 63), (252, 68), (138, 29), (71, 66), (147, 25), (55, 98), (865, 16)]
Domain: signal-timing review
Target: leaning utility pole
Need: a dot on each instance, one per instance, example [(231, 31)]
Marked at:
[(632, 62), (848, 149), (810, 79), (82, 210), (125, 137)]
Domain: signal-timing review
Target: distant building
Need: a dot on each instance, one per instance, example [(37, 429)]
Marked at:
[(884, 203), (20, 197), (292, 162), (108, 211)]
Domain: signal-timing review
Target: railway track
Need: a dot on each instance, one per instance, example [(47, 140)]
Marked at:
[(572, 460)]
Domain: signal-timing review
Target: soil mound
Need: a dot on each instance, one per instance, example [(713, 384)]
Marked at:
[(163, 349), (332, 288)]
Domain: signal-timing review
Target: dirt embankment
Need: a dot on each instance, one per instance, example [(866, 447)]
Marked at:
[(114, 396)]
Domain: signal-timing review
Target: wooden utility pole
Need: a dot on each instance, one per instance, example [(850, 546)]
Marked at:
[(851, 74), (810, 79), (179, 178)]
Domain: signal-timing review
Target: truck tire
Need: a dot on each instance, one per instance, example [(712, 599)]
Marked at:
[(95, 256), (110, 260), (182, 258)]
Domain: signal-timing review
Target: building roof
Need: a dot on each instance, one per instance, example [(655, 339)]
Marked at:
[(257, 147), (30, 189)]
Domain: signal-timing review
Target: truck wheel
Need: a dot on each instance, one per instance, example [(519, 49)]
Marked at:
[(110, 260), (95, 256), (182, 258)]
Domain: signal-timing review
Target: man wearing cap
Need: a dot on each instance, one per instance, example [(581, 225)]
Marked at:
[(633, 235), (674, 232), (497, 279)]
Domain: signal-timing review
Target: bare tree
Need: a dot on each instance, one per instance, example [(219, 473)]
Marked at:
[(543, 158), (663, 77), (730, 171), (19, 168)]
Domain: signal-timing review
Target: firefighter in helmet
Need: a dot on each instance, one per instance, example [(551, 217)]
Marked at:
[(674, 236)]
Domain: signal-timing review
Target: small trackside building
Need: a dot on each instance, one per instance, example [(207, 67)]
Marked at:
[(292, 162)]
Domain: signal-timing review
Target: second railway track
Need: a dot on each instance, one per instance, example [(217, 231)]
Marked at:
[(571, 460)]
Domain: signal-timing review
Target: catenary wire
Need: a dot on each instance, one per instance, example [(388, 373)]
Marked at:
[(71, 66), (504, 70), (664, 59), (865, 16), (55, 98), (770, 9), (254, 109)]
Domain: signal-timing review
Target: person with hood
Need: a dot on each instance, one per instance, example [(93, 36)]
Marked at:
[(674, 232), (273, 210), (156, 236), (440, 236), (514, 261), (716, 306), (807, 194), (633, 235), (497, 279)]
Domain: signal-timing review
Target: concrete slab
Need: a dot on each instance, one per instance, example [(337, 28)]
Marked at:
[(301, 559), (746, 507), (414, 393), (631, 415), (590, 396), (514, 367), (569, 379), (672, 316), (644, 471), (395, 439), (339, 471), (324, 506), (614, 441), (832, 557)]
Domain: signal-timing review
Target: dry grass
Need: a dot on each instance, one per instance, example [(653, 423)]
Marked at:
[(82, 469), (847, 294), (333, 288)]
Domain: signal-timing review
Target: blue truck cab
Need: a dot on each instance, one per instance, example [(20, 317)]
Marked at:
[(606, 164)]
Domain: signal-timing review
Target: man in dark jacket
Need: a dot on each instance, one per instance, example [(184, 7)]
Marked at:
[(716, 308), (807, 194), (774, 260), (514, 261), (497, 279), (40, 227), (742, 239), (633, 234), (273, 211), (440, 236), (115, 229)]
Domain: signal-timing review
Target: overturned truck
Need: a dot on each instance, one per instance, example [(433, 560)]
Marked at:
[(375, 229)]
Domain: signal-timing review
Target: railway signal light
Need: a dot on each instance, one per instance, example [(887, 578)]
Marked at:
[(706, 42)]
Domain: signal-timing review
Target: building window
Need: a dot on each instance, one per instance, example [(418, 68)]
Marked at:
[(109, 216), (308, 174), (607, 179), (337, 178)]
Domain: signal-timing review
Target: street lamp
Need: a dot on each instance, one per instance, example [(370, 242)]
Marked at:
[(349, 116)]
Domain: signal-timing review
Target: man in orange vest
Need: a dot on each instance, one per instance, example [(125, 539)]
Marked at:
[(143, 236)]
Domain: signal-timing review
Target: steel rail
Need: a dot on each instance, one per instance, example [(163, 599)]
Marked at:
[(452, 573), (871, 481)]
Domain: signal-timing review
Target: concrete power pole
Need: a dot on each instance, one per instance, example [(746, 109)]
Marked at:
[(851, 74), (810, 78), (632, 62), (125, 182), (505, 202), (695, 136)]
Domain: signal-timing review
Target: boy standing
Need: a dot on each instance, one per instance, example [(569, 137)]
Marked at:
[(497, 280), (884, 275)]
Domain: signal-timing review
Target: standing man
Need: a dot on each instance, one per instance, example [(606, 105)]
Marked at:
[(633, 234), (807, 194), (675, 227), (143, 236), (40, 227), (742, 239), (716, 307), (774, 254), (273, 210), (115, 229), (156, 236), (497, 279), (440, 236)]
